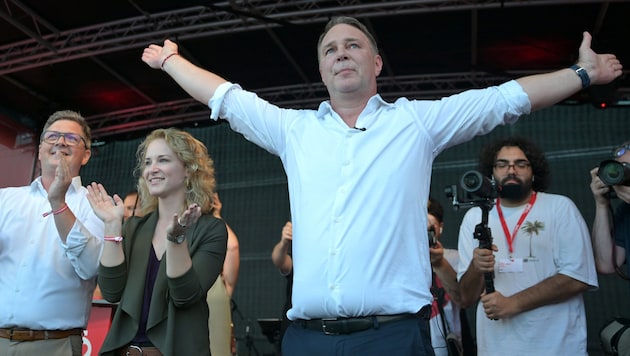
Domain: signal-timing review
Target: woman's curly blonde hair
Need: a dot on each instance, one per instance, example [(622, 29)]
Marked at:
[(200, 184)]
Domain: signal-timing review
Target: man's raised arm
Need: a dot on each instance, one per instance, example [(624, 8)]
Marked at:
[(197, 82), (550, 88)]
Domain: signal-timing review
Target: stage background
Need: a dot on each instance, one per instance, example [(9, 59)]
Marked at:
[(252, 186)]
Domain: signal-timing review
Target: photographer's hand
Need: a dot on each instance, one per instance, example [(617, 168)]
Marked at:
[(623, 192), (483, 259), (445, 272), (496, 306), (436, 254), (472, 283), (599, 189)]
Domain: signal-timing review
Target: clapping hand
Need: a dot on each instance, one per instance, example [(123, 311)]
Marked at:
[(180, 224), (105, 207), (62, 180)]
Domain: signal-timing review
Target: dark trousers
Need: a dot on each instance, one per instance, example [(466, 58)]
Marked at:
[(406, 337)]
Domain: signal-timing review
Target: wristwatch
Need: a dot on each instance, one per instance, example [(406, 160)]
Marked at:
[(176, 239)]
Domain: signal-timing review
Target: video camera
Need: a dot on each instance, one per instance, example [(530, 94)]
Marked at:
[(477, 190), (612, 172)]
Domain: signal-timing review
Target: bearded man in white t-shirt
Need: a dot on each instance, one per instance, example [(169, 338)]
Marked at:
[(541, 259)]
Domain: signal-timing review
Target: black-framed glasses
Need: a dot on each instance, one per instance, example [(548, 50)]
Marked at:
[(71, 139), (620, 151), (519, 165)]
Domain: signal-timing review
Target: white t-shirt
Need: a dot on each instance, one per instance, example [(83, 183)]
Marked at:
[(560, 246)]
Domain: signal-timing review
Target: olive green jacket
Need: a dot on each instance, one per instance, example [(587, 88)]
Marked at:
[(178, 316)]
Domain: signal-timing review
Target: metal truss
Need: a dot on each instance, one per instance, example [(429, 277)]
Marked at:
[(48, 45)]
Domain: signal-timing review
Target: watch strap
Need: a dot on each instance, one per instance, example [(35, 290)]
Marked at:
[(581, 72), (176, 239)]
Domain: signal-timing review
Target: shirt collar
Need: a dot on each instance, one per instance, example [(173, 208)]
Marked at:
[(75, 185), (373, 104)]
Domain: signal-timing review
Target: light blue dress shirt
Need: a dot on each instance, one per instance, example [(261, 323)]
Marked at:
[(46, 284)]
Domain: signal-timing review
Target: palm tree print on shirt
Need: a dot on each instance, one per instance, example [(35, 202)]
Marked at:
[(532, 228)]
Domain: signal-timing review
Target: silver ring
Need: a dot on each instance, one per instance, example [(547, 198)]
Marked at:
[(180, 223)]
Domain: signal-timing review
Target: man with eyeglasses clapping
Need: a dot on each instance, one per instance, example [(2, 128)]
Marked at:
[(50, 243)]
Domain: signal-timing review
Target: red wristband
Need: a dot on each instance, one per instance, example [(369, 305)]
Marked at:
[(58, 211), (167, 58)]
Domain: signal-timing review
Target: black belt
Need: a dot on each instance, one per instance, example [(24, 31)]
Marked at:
[(35, 335), (337, 326)]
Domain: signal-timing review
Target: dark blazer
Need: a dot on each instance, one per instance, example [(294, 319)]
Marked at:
[(178, 317)]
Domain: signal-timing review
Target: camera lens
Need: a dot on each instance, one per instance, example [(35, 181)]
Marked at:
[(612, 172), (476, 184), (471, 181)]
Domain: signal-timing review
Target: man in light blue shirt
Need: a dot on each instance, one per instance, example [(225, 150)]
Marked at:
[(50, 244), (358, 171)]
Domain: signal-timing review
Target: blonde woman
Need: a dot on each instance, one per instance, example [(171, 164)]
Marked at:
[(159, 267)]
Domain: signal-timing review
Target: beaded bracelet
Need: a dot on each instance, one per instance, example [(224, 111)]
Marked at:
[(56, 212), (167, 58)]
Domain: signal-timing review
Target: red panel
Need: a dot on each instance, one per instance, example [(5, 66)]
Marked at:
[(98, 326)]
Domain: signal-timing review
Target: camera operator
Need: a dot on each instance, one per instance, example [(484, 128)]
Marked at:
[(450, 334), (611, 229), (445, 317), (541, 258)]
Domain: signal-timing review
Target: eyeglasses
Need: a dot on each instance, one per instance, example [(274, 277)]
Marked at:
[(519, 165), (620, 151), (71, 139)]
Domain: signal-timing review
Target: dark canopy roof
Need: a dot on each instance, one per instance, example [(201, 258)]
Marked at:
[(85, 56)]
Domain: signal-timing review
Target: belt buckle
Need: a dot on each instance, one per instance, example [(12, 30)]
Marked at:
[(134, 347), (325, 327)]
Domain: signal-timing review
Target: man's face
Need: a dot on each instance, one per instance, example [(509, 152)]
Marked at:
[(347, 61), (76, 155), (513, 173), (130, 205)]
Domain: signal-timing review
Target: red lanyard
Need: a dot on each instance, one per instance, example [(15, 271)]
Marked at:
[(510, 237)]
